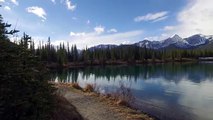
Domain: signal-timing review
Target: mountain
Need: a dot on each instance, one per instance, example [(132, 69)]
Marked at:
[(192, 42), (198, 39), (103, 47), (208, 46), (149, 44), (177, 42)]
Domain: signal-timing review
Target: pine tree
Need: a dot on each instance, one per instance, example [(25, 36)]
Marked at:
[(25, 95)]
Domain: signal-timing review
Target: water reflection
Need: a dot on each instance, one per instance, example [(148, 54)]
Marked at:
[(168, 91)]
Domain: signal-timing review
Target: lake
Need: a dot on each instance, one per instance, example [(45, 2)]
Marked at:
[(166, 91)]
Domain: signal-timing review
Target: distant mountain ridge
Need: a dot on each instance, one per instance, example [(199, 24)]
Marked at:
[(182, 43), (192, 42), (102, 46)]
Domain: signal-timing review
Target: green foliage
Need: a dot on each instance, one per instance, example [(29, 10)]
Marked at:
[(60, 54), (24, 92), (2, 29)]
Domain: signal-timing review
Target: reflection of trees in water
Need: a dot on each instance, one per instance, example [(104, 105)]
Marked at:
[(175, 72), (65, 75), (111, 72), (194, 72)]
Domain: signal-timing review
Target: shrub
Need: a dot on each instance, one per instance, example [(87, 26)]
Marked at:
[(123, 95), (89, 88), (76, 86)]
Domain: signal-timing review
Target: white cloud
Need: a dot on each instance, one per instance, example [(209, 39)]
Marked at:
[(168, 28), (40, 12), (92, 38), (15, 2), (163, 36), (195, 18), (2, 1), (7, 8), (88, 21), (126, 42), (152, 17), (72, 34), (25, 24), (53, 1), (70, 5), (113, 30), (160, 19), (99, 29)]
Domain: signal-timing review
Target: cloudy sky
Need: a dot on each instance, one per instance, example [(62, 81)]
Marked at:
[(93, 22)]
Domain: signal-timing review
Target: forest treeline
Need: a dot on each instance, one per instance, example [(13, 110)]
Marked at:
[(66, 53)]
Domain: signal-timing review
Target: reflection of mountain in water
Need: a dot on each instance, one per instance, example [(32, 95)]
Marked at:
[(170, 72)]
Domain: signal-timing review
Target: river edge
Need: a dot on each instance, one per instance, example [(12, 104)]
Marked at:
[(106, 63), (114, 108)]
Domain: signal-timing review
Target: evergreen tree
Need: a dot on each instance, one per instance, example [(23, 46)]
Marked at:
[(25, 94)]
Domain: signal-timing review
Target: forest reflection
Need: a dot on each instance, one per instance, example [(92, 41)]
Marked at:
[(170, 72)]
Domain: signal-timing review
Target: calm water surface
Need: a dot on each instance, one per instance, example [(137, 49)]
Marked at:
[(166, 91)]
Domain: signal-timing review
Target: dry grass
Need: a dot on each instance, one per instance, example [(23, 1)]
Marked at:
[(89, 88), (122, 102), (123, 96), (122, 108), (119, 101), (76, 86), (57, 85)]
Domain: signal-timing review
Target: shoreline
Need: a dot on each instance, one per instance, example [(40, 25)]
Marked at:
[(121, 109), (90, 63)]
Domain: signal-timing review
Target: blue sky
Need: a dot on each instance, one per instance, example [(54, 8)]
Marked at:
[(93, 22)]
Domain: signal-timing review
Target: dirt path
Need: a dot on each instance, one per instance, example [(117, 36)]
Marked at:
[(89, 107)]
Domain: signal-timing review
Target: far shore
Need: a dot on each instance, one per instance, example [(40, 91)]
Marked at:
[(101, 63)]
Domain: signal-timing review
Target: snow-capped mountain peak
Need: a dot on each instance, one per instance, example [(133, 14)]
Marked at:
[(209, 37), (177, 38), (175, 41), (102, 46)]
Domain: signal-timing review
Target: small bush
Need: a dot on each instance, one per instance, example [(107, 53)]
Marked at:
[(108, 95), (89, 88), (122, 102), (76, 86), (123, 96)]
